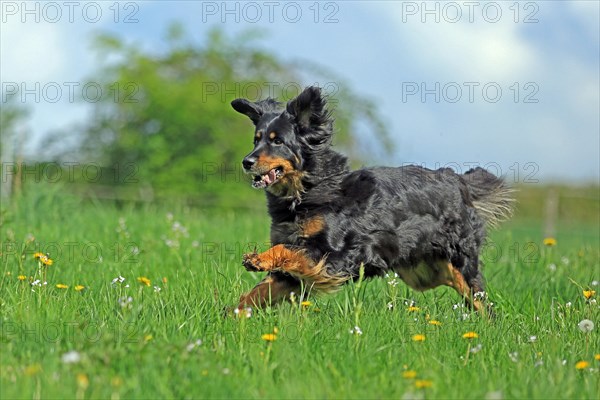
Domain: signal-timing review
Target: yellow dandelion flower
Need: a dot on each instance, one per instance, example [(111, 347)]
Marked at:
[(410, 374), (275, 330), (435, 322), (144, 281), (588, 294), (21, 277), (413, 308), (470, 335), (148, 338), (269, 337), (44, 258), (79, 288), (306, 303), (164, 279), (82, 381), (418, 338), (550, 241), (423, 383), (32, 369), (116, 381), (597, 357), (61, 286), (582, 365)]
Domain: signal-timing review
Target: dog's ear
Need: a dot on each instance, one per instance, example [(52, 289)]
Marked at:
[(252, 110), (308, 109)]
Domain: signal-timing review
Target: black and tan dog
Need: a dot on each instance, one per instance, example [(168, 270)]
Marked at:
[(428, 226)]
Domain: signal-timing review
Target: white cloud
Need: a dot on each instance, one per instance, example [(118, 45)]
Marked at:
[(463, 50)]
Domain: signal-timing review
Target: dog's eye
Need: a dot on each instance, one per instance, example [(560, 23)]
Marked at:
[(277, 141)]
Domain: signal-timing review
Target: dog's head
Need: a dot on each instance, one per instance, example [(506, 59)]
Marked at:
[(286, 141)]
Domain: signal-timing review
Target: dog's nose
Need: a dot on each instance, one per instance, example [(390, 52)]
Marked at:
[(248, 162)]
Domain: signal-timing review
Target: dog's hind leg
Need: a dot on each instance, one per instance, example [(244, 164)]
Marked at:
[(469, 289), (273, 289)]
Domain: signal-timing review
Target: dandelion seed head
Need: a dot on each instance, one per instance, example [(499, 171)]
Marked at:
[(586, 325)]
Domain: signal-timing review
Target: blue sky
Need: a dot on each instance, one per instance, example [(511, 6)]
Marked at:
[(517, 83)]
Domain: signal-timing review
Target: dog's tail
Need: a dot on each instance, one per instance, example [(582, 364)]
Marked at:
[(490, 195)]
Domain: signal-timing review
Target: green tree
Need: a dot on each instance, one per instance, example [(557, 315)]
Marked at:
[(167, 112)]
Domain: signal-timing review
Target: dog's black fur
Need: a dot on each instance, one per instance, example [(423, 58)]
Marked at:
[(328, 221)]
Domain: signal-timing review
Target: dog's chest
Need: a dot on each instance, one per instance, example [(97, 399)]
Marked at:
[(297, 231)]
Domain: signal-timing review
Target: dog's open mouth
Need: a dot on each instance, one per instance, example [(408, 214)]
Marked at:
[(266, 180)]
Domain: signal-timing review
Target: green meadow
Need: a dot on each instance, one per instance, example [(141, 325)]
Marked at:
[(134, 305)]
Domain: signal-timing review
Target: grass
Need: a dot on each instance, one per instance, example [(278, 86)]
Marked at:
[(142, 342)]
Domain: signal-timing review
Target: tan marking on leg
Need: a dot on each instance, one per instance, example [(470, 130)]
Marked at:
[(458, 282), (312, 226)]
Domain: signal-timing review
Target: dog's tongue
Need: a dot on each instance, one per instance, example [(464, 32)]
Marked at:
[(269, 177)]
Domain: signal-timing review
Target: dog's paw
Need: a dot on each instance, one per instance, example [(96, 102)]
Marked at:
[(251, 261)]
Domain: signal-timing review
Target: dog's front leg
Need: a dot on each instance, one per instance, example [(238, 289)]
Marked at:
[(278, 257), (296, 262)]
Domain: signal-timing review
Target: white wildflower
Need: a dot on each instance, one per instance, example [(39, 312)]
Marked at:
[(482, 295), (125, 302), (71, 357), (356, 331), (191, 346), (476, 349)]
